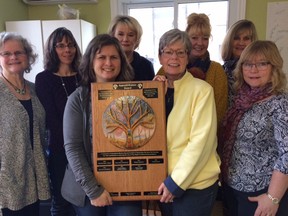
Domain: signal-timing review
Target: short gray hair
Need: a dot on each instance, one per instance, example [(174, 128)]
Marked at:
[(171, 37)]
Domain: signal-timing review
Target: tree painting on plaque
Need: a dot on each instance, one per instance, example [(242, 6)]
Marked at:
[(129, 122)]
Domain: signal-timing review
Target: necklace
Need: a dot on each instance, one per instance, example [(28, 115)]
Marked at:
[(64, 86), (170, 95), (18, 90)]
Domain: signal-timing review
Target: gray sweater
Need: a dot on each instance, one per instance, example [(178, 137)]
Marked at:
[(77, 127), (23, 172)]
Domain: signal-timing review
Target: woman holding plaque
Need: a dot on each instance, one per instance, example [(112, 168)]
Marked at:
[(103, 61), (193, 164)]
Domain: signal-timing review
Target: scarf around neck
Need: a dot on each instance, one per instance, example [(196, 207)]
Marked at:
[(244, 100), (198, 67), (230, 65)]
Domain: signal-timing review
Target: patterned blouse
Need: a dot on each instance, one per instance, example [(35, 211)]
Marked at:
[(261, 145)]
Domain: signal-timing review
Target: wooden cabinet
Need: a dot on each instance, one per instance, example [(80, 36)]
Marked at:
[(37, 32)]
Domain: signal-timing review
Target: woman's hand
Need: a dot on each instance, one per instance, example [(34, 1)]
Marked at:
[(166, 195), (103, 200), (161, 78), (265, 206)]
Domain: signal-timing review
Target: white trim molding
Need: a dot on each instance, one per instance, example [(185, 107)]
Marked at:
[(237, 11)]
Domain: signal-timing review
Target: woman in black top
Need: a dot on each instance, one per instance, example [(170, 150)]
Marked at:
[(53, 86), (128, 31)]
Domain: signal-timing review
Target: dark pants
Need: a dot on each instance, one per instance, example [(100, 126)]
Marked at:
[(56, 168), (30, 210), (237, 203), (123, 208), (192, 203)]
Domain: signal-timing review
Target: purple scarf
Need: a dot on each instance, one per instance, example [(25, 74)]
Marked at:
[(244, 100)]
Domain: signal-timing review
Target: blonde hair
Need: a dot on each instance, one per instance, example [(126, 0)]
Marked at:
[(200, 24), (131, 22), (236, 29), (269, 51)]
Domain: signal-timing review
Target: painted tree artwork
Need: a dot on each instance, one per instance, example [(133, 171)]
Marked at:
[(129, 122)]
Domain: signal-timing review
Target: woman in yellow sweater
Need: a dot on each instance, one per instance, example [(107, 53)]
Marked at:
[(193, 164), (200, 65)]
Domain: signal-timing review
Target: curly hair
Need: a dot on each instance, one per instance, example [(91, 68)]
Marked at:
[(27, 46)]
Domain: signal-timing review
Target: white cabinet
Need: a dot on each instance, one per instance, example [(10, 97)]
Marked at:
[(38, 31)]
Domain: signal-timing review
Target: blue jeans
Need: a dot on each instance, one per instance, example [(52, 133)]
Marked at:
[(237, 202), (56, 167), (192, 203), (123, 208)]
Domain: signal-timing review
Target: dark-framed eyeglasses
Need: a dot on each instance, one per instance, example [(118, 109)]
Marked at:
[(259, 65), (63, 46)]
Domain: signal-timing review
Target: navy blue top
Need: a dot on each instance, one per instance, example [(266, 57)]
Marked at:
[(143, 68)]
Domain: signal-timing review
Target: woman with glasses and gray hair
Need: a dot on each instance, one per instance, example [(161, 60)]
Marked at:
[(201, 66), (253, 141), (193, 164), (23, 173)]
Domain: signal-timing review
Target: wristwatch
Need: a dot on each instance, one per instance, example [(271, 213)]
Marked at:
[(274, 200)]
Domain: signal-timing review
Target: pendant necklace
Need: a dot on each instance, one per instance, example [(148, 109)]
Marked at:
[(18, 90), (64, 86), (170, 95)]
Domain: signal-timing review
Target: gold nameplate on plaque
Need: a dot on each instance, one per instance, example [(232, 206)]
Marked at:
[(129, 138)]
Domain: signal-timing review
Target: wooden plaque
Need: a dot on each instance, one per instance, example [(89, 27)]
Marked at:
[(129, 138)]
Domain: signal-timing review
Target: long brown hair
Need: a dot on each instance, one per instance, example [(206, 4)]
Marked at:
[(86, 70)]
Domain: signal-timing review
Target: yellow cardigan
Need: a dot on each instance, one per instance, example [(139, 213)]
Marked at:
[(193, 162), (217, 78)]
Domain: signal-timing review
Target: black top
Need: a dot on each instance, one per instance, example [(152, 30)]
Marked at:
[(52, 95), (27, 104), (143, 68), (169, 101)]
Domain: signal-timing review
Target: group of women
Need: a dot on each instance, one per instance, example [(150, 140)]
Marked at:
[(242, 106)]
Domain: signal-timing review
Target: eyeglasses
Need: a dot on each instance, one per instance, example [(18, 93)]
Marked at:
[(179, 53), (63, 46), (17, 54), (259, 65)]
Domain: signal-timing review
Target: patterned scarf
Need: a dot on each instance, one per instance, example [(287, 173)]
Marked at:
[(244, 100), (199, 67), (230, 65)]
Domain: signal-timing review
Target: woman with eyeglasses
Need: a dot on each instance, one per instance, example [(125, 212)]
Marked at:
[(53, 86), (193, 164), (23, 172), (253, 140), (201, 66)]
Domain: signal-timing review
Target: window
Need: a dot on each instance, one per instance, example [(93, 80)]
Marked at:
[(158, 16)]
